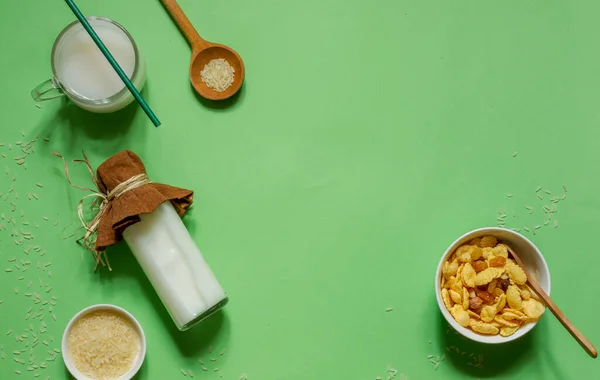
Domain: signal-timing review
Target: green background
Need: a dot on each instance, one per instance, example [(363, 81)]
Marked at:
[(366, 138)]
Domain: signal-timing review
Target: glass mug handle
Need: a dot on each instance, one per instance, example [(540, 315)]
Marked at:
[(47, 90)]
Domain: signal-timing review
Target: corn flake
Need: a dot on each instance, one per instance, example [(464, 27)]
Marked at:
[(489, 241), (496, 324), (533, 309), (513, 297), (488, 313), (516, 274), (450, 282), (459, 271), (473, 314), (450, 269), (469, 275), (486, 252), (508, 331), (501, 302), (500, 251), (516, 312), (476, 252), (446, 298), (504, 322), (457, 286), (510, 316), (463, 253), (484, 328), (460, 315), (455, 296), (486, 276)]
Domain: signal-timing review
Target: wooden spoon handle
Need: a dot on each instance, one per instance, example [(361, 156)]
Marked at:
[(562, 318), (184, 24)]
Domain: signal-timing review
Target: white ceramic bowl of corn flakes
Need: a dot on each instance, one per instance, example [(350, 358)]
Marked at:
[(481, 291)]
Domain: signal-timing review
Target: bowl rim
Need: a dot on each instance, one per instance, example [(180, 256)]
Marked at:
[(90, 309), (483, 231)]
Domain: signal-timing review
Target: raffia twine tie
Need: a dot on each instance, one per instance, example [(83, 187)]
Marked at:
[(102, 203)]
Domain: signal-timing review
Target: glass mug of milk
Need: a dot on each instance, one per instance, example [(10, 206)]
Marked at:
[(84, 75)]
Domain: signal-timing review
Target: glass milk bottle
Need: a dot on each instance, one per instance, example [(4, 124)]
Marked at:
[(175, 267)]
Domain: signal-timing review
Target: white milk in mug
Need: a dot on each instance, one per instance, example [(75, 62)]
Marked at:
[(84, 75)]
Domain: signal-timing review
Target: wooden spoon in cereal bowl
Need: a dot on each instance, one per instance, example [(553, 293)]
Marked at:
[(216, 71), (582, 340)]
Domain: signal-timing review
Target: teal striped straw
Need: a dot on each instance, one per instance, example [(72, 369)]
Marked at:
[(113, 62)]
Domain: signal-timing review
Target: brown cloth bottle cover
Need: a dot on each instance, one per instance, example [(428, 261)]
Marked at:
[(124, 210)]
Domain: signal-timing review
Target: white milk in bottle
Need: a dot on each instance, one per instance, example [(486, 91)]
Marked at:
[(174, 265)]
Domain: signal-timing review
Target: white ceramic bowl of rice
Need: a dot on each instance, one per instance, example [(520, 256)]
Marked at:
[(528, 253), (86, 353)]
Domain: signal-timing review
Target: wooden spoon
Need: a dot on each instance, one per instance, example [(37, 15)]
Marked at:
[(203, 52), (586, 344)]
